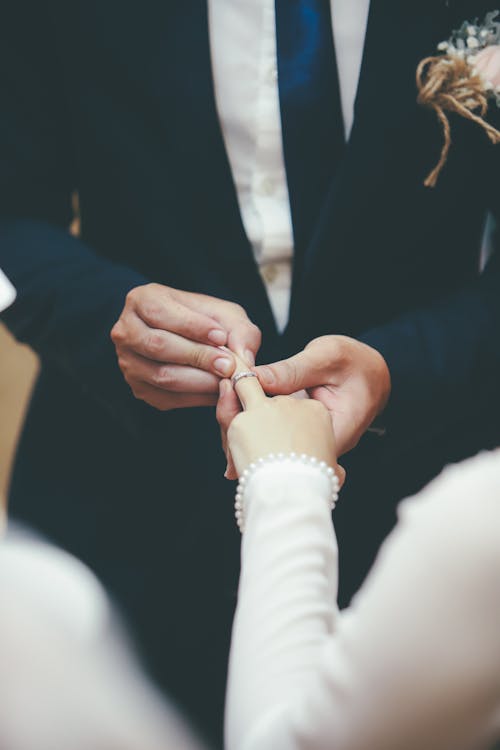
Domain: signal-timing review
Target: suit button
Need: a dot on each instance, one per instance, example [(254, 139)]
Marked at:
[(272, 75), (269, 273), (266, 186)]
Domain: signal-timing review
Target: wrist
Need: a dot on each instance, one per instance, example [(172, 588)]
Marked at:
[(284, 468)]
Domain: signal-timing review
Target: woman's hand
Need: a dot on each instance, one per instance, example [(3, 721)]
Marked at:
[(349, 378), (274, 425)]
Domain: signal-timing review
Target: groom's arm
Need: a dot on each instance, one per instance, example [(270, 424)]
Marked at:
[(444, 359), (420, 372), (69, 297)]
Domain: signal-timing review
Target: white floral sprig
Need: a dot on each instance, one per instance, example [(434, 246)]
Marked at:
[(477, 43), (462, 80)]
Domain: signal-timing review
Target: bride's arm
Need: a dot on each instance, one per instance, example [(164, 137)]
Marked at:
[(414, 663), (286, 603), (286, 606)]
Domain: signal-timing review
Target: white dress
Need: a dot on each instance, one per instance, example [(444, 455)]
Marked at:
[(413, 664), (69, 679)]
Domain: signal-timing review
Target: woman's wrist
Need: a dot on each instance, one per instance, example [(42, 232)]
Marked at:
[(285, 463)]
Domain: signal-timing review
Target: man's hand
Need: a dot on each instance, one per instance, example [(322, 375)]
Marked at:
[(166, 341), (350, 378)]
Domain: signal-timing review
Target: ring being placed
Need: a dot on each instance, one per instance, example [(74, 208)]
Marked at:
[(236, 378)]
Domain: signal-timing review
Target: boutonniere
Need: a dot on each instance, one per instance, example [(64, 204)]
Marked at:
[(463, 78)]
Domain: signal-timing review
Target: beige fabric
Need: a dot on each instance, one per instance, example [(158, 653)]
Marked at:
[(18, 369)]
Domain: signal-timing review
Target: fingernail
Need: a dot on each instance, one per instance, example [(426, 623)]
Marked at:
[(250, 357), (266, 375), (217, 337), (226, 473), (224, 366)]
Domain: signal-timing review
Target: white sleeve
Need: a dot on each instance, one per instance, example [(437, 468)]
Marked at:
[(286, 606), (7, 292), (415, 660)]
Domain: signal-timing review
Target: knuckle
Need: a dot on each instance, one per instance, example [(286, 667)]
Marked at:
[(238, 309), (152, 313), (165, 378), (154, 343), (118, 333), (123, 364), (256, 333), (131, 296)]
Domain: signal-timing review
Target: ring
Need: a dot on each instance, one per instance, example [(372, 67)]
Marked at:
[(236, 378)]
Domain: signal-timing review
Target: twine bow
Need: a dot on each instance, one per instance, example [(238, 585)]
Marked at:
[(447, 84)]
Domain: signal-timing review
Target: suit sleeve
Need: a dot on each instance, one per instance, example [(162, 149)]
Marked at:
[(68, 296), (444, 358)]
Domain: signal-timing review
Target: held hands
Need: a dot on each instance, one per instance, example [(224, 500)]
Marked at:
[(349, 378), (168, 346), (271, 425), (166, 341)]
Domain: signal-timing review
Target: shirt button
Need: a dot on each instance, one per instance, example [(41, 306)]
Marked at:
[(266, 186), (270, 273), (272, 74)]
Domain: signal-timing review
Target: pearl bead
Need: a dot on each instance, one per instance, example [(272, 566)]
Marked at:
[(328, 471)]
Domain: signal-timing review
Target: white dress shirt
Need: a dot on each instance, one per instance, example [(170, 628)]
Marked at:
[(244, 64), (7, 292), (413, 663)]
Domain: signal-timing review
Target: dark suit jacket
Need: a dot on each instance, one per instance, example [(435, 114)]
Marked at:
[(115, 100)]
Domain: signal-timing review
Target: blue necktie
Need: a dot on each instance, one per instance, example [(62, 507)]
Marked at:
[(311, 114)]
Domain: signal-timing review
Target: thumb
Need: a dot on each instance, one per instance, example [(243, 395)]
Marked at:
[(302, 371)]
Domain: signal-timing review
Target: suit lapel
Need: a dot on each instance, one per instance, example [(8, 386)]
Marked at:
[(207, 164), (398, 36)]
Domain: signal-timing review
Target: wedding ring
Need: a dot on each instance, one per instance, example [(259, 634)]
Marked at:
[(247, 374)]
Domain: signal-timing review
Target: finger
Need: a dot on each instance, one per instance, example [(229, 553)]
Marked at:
[(230, 472), (159, 309), (163, 346), (228, 407), (341, 474), (244, 337), (164, 401), (167, 377), (249, 390), (302, 371)]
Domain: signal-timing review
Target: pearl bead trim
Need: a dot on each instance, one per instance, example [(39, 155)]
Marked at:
[(239, 503)]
